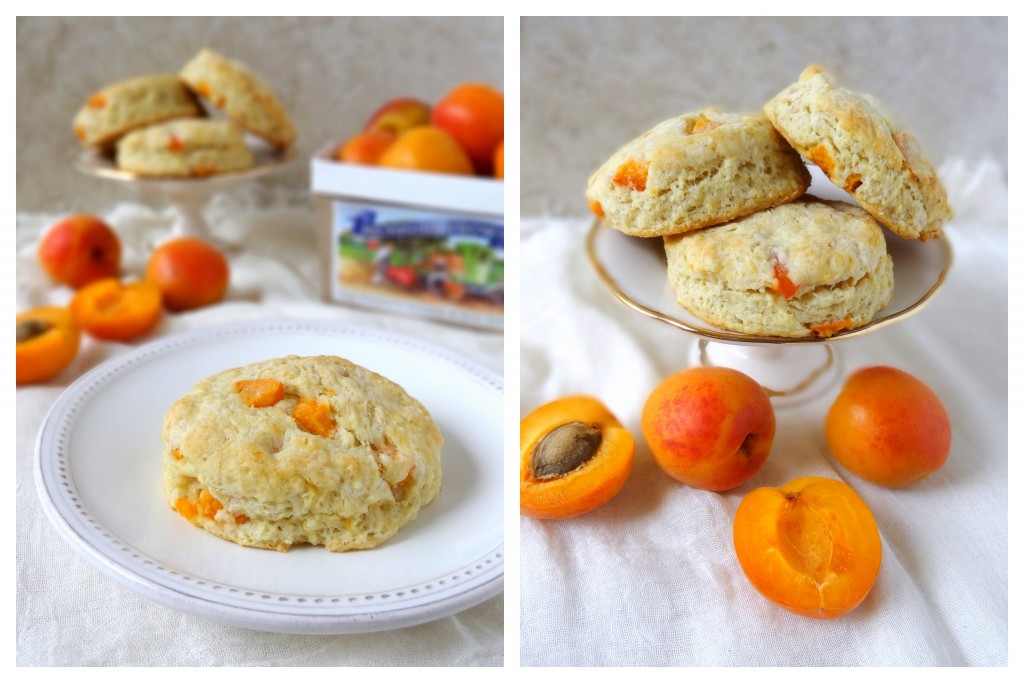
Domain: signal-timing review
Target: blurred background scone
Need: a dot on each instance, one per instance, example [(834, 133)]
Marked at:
[(131, 104), (297, 450), (234, 89), (808, 268), (693, 171), (183, 148)]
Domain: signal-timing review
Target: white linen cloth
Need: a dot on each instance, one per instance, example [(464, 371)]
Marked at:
[(651, 577), (69, 613)]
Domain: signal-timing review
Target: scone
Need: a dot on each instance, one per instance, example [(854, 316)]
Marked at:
[(184, 148), (131, 104), (808, 268), (694, 171), (300, 450), (241, 95), (860, 150)]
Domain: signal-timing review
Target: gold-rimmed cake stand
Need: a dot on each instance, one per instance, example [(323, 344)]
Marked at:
[(790, 369), (188, 196)]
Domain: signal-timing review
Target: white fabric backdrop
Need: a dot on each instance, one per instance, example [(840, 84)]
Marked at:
[(651, 578), (70, 614)]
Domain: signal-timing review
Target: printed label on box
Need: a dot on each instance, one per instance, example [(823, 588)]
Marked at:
[(420, 258)]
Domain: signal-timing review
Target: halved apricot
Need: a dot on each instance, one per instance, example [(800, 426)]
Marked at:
[(109, 309), (47, 343), (259, 393), (574, 456), (810, 546)]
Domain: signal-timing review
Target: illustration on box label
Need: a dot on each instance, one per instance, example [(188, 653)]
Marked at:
[(423, 256)]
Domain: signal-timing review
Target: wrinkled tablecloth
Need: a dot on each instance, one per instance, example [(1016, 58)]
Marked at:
[(651, 578), (70, 614)]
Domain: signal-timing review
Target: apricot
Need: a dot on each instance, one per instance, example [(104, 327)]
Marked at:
[(574, 456), (709, 427), (109, 309), (474, 115), (189, 273), (499, 161), (259, 393), (314, 416), (888, 427), (366, 147), (47, 343), (427, 149), (811, 546), (80, 249), (399, 115)]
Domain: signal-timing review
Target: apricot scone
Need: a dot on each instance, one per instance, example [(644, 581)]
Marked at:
[(861, 150), (808, 268), (133, 103), (693, 171), (184, 148), (300, 450), (243, 97)]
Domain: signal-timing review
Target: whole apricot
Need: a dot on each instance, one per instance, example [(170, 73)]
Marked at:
[(79, 249), (499, 161), (47, 343), (574, 456), (709, 427), (189, 273), (888, 427), (811, 546), (426, 149), (473, 114), (399, 115), (366, 147)]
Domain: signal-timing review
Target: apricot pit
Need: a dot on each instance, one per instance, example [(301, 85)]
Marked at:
[(574, 457)]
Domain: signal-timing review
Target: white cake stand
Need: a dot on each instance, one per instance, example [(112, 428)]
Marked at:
[(188, 195), (791, 370)]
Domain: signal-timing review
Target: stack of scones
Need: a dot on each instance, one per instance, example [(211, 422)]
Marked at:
[(156, 125), (747, 250)]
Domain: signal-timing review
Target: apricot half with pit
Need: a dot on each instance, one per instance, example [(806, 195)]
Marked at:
[(574, 456), (47, 343), (810, 546)]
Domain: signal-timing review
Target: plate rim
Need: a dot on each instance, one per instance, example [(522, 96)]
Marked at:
[(340, 614)]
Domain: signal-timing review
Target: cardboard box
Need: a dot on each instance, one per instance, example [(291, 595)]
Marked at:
[(427, 244)]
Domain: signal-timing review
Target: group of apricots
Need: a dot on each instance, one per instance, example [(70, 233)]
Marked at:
[(463, 134), (812, 545), (84, 253)]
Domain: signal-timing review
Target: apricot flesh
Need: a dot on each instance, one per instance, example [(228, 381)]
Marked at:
[(594, 468), (811, 546), (888, 427), (47, 342)]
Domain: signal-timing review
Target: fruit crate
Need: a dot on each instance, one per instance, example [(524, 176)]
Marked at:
[(408, 242)]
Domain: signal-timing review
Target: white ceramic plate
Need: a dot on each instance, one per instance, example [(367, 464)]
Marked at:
[(633, 268), (97, 471)]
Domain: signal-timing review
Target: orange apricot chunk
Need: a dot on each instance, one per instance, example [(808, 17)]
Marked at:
[(208, 505), (704, 124), (109, 309), (822, 159), (574, 456), (186, 508), (314, 416), (853, 181), (47, 342), (830, 327), (632, 174), (596, 208), (783, 285), (259, 393), (811, 546)]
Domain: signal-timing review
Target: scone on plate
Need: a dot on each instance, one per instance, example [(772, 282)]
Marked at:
[(245, 99), (862, 151), (185, 148), (693, 171), (300, 450), (808, 268), (133, 103)]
